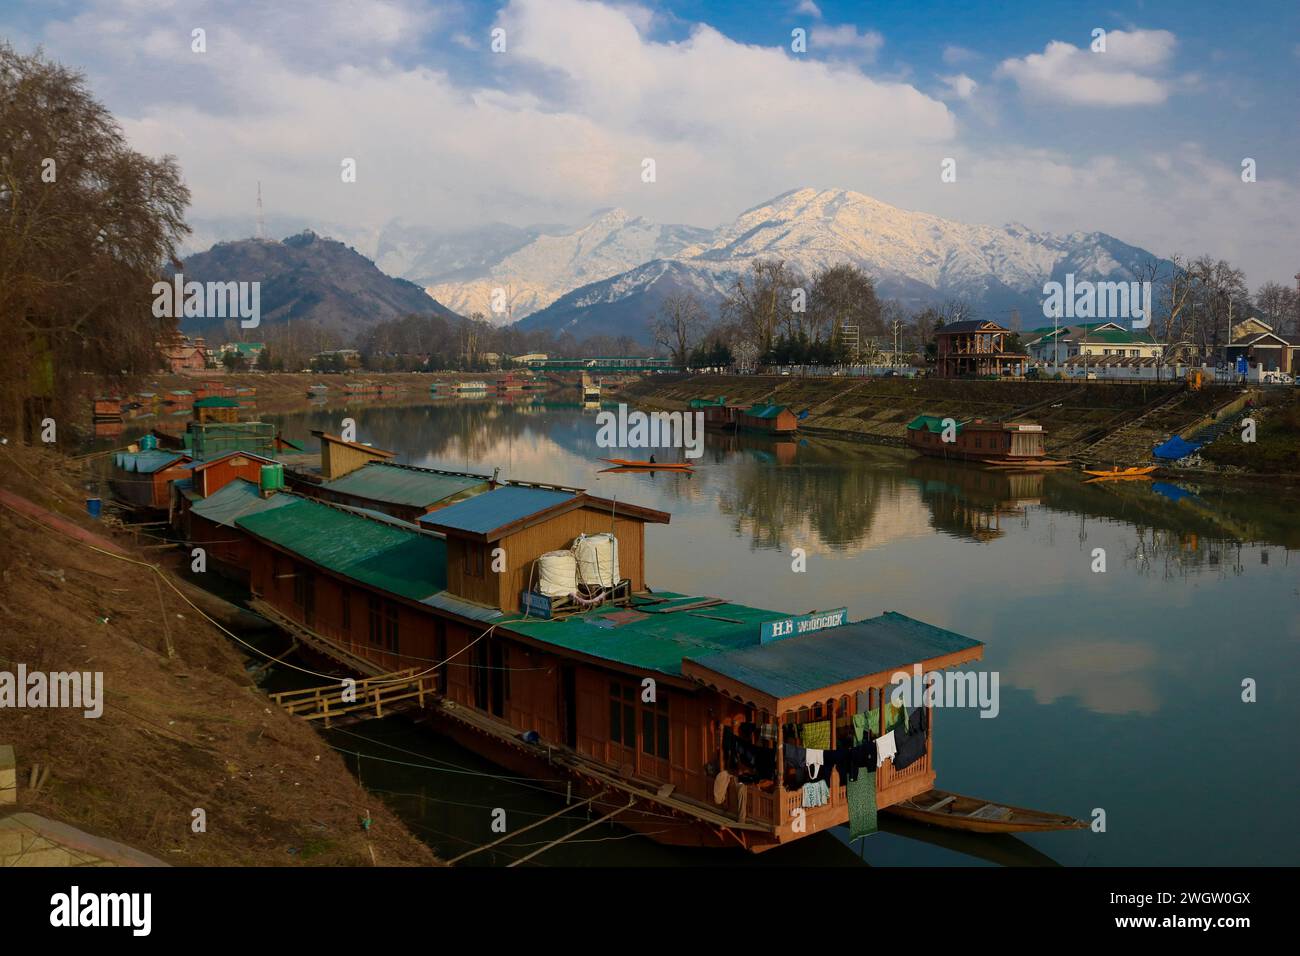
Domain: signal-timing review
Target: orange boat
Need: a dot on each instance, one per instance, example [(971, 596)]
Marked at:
[(669, 465), (1122, 472)]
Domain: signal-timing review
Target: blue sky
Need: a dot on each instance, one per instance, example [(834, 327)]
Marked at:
[(1144, 140)]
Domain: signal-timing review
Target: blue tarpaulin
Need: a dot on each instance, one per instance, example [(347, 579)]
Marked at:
[(1176, 448)]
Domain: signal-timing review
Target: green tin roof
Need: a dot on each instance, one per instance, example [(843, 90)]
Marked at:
[(931, 423), (1110, 336), (659, 640), (375, 553), (797, 665), (398, 484), (765, 411)]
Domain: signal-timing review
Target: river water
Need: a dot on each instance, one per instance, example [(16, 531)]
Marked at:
[(1120, 692)]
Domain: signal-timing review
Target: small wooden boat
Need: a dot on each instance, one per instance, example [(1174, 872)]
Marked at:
[(1122, 472), (663, 465), (956, 812)]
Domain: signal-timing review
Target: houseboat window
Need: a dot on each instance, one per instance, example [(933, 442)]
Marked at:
[(654, 728), (376, 622), (390, 626), (622, 714), (474, 555), (979, 442)]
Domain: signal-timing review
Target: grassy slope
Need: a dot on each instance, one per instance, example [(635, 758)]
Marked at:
[(1276, 449), (177, 732)]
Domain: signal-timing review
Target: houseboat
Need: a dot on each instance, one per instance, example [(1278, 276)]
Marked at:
[(770, 419), (718, 415), (1013, 444), (472, 389), (107, 408), (689, 718)]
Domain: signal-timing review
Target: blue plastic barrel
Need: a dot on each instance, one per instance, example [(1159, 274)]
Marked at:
[(93, 507)]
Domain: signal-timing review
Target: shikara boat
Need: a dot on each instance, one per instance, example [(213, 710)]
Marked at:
[(1122, 472), (665, 465), (956, 812)]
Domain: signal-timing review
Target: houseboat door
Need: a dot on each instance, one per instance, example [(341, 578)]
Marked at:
[(489, 677), (304, 593), (569, 704)]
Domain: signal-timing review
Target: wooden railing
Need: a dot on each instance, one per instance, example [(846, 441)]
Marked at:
[(371, 693)]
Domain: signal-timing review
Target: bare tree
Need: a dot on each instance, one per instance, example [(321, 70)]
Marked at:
[(759, 303), (845, 295), (679, 325)]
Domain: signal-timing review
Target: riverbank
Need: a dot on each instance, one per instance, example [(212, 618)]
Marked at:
[(183, 726), (1093, 423), (279, 392)]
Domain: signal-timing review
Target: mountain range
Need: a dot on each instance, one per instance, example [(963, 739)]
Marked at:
[(915, 258), (608, 274)]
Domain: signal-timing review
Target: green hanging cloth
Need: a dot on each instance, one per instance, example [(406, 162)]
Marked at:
[(894, 716), (817, 735), (859, 729), (862, 805)]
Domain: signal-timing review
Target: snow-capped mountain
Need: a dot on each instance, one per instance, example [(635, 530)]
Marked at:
[(542, 269), (916, 258)]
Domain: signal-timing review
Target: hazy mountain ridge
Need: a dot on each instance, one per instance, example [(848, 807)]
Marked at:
[(308, 279)]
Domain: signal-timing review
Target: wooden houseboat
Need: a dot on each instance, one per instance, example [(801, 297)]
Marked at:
[(993, 443), (718, 415), (677, 705), (144, 478), (770, 419), (107, 408), (216, 409)]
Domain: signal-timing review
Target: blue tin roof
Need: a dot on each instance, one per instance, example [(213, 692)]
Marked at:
[(797, 665), (483, 514)]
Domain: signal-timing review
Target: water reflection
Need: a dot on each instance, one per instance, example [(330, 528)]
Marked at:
[(1114, 684)]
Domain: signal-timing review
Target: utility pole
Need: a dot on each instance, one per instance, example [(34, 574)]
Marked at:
[(261, 219)]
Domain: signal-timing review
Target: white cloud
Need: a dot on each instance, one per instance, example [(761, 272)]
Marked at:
[(1129, 73), (559, 125), (961, 86), (810, 8), (846, 37), (553, 128)]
